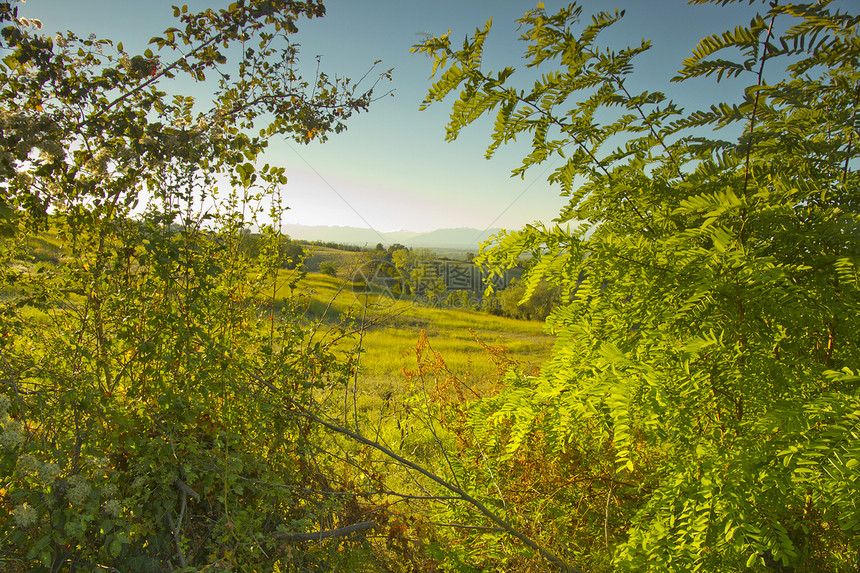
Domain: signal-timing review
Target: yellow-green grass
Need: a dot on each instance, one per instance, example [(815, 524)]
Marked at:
[(393, 329), (344, 261), (377, 402)]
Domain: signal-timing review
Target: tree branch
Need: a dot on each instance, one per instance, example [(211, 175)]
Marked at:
[(314, 535), (552, 558), (755, 102), (183, 487)]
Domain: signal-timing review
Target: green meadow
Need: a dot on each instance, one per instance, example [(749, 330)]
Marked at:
[(389, 329)]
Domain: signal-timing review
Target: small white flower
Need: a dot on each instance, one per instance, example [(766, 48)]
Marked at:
[(112, 507), (28, 465), (11, 435), (79, 491), (25, 516), (48, 473), (54, 188)]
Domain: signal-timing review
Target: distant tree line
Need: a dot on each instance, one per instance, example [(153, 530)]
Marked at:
[(338, 246), (400, 259)]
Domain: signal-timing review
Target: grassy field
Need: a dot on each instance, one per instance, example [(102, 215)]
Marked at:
[(393, 329), (344, 261), (390, 329)]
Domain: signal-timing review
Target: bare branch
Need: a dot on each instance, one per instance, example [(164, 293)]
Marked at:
[(183, 487), (552, 558), (314, 535)]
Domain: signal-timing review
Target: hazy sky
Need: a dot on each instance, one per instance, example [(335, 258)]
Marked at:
[(392, 169)]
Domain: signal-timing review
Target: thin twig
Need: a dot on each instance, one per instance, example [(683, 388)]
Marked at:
[(355, 378), (755, 102), (654, 134), (177, 538), (850, 136), (608, 174), (183, 487), (606, 511), (433, 428), (478, 527)]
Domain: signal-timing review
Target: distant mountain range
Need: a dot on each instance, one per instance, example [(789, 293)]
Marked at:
[(462, 238)]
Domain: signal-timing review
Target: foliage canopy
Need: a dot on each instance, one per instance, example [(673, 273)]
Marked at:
[(710, 334)]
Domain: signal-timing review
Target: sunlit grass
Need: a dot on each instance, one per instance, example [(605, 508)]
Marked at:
[(387, 330), (387, 333), (392, 330)]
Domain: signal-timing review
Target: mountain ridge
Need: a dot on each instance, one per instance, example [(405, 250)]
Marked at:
[(463, 238)]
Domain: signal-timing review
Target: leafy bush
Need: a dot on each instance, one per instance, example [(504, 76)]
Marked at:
[(328, 268), (513, 302), (154, 379)]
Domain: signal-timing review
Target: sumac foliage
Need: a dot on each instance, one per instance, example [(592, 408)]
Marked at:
[(707, 353)]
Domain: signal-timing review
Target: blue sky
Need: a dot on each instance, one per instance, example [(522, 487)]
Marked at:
[(392, 169)]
